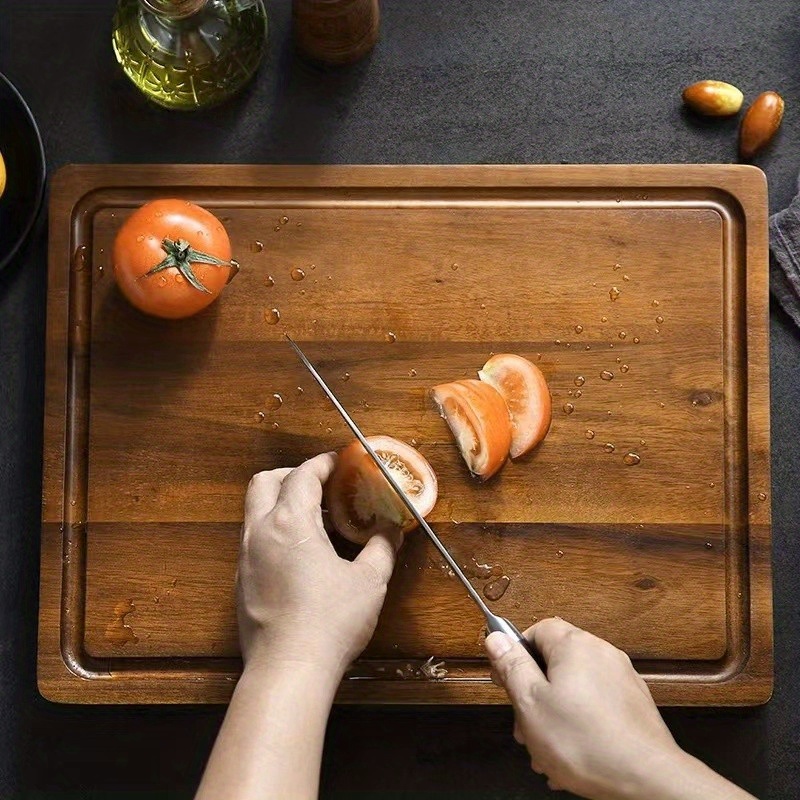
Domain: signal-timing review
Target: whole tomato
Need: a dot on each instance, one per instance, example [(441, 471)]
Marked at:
[(172, 258)]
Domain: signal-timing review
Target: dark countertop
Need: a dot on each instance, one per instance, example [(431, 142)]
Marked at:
[(457, 81)]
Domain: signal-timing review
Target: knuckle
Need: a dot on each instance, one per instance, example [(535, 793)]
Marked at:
[(258, 480), (281, 517), (622, 657), (375, 578), (514, 664)]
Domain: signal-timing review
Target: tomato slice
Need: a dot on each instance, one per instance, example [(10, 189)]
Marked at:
[(478, 418), (524, 388), (361, 502)]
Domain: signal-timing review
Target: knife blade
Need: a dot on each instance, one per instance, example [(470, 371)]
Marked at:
[(494, 622)]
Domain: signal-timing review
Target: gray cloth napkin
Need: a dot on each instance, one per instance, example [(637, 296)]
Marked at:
[(784, 262)]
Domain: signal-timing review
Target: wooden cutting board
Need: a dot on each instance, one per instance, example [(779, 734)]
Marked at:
[(656, 275)]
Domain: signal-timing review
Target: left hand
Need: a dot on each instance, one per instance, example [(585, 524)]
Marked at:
[(298, 601)]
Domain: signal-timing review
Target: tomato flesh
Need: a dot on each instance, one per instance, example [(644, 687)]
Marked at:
[(360, 501), (479, 420), (524, 389), (139, 247)]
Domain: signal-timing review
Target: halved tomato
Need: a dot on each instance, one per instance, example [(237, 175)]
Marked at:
[(479, 419), (524, 388), (360, 500)]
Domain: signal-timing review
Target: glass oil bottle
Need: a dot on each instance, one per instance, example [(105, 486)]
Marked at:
[(189, 54)]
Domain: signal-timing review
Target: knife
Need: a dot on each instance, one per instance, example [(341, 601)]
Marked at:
[(494, 622)]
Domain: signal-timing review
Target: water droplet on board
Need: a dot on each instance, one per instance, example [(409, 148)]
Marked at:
[(278, 228), (272, 316), (495, 589), (390, 337), (659, 320), (119, 631), (622, 334), (631, 459), (79, 258), (260, 416), (709, 546), (614, 293), (557, 341), (624, 368), (274, 402), (559, 554), (297, 274), (140, 237), (300, 390), (618, 359), (257, 246), (662, 405), (485, 570), (655, 304), (483, 306), (712, 484), (636, 340), (284, 220), (568, 408), (626, 277), (607, 375), (578, 393), (608, 447), (269, 281), (454, 267), (762, 496), (346, 376), (579, 329), (276, 425), (603, 319), (617, 266), (179, 278), (589, 434)]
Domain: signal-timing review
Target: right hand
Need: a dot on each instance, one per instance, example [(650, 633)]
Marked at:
[(590, 725)]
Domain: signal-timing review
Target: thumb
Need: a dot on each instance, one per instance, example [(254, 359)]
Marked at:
[(379, 555), (515, 668)]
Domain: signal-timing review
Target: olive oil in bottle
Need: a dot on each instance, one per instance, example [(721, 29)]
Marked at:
[(189, 54)]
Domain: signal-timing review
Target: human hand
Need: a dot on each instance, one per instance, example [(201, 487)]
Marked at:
[(590, 725), (298, 601)]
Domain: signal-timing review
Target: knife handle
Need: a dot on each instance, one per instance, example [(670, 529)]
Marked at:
[(496, 623)]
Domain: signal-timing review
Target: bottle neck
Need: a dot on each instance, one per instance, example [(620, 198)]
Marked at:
[(174, 9)]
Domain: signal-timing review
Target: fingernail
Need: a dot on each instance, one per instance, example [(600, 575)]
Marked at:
[(498, 644)]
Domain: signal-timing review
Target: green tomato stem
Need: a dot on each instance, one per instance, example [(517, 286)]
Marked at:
[(181, 255)]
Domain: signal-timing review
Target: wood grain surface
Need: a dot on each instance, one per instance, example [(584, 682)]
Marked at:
[(412, 276)]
